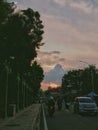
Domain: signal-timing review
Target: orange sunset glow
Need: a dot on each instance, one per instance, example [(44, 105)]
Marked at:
[(45, 86), (53, 85)]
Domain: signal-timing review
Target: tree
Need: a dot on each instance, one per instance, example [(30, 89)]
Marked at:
[(23, 38), (34, 77), (71, 79), (84, 81), (6, 9), (89, 79), (22, 42), (20, 35)]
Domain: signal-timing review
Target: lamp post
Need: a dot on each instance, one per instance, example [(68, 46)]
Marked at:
[(92, 78), (18, 101), (6, 90), (8, 70)]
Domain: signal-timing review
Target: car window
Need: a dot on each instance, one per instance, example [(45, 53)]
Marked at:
[(86, 100)]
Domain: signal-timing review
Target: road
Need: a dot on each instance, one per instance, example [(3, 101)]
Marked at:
[(67, 120)]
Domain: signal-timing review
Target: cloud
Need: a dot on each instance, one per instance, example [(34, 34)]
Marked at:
[(61, 2), (83, 5), (49, 60), (74, 42), (44, 85), (60, 7), (71, 31), (60, 32)]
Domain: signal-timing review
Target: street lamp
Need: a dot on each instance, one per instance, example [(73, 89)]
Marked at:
[(92, 78), (6, 91), (8, 70), (18, 101)]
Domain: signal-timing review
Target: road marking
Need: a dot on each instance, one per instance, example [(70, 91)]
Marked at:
[(45, 123)]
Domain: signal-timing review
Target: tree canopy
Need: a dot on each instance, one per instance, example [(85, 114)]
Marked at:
[(20, 37), (82, 80)]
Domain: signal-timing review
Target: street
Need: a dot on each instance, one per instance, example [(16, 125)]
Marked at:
[(67, 120)]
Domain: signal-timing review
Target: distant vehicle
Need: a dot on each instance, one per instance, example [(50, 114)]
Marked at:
[(51, 106), (85, 105)]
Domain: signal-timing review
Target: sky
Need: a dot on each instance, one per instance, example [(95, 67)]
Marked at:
[(71, 32)]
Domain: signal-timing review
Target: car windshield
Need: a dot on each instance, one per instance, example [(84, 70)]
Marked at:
[(86, 100)]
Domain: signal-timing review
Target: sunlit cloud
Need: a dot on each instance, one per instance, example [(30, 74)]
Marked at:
[(45, 85), (50, 60)]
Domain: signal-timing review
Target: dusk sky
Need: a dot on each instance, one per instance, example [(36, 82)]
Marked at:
[(71, 32)]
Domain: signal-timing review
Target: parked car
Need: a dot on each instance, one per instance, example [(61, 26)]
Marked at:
[(85, 105)]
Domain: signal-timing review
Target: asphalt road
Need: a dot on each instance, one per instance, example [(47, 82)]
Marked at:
[(67, 120)]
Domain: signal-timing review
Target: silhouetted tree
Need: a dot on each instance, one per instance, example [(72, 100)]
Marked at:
[(34, 78), (84, 81), (20, 36), (6, 9)]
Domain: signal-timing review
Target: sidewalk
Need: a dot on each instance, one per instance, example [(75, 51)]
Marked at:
[(24, 120)]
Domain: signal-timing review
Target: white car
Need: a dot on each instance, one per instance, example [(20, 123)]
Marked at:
[(85, 105)]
